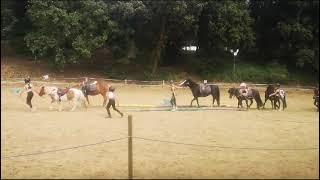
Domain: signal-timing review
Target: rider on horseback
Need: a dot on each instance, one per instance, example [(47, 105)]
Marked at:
[(280, 94), (244, 89), (278, 91)]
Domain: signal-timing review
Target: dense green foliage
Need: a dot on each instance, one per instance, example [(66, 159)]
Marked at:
[(274, 37)]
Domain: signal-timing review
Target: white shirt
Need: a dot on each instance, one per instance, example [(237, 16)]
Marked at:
[(111, 95), (26, 87)]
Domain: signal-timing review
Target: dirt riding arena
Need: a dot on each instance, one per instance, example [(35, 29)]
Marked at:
[(209, 143)]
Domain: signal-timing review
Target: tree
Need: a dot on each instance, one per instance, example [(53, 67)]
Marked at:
[(169, 21), (226, 24), (287, 30), (8, 19), (67, 30)]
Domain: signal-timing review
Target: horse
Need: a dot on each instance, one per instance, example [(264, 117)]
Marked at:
[(58, 95), (235, 92), (316, 98), (274, 100), (252, 94), (94, 88), (276, 96), (202, 91)]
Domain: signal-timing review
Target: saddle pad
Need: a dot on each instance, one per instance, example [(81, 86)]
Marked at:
[(249, 95), (204, 88), (91, 87)]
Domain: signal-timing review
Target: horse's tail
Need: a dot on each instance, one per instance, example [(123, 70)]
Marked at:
[(215, 91), (285, 101), (258, 99), (218, 95)]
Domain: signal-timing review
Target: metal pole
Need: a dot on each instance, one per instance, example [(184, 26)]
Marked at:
[(234, 67), (130, 147)]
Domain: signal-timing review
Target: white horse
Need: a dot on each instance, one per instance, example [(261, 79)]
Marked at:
[(72, 94)]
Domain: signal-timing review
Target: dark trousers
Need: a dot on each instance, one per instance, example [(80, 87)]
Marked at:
[(113, 104), (173, 100), (29, 97)]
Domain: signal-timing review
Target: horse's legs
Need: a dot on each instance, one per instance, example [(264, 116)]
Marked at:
[(104, 99), (247, 103), (51, 107), (75, 103), (84, 104), (284, 103), (198, 103), (60, 106), (213, 99), (251, 101), (192, 101), (276, 103), (239, 103), (87, 98), (265, 100)]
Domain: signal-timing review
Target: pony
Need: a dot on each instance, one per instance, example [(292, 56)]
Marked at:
[(202, 90), (316, 98), (274, 99), (58, 95), (275, 96), (94, 88), (252, 94)]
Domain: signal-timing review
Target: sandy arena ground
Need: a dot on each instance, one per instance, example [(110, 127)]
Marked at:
[(24, 132)]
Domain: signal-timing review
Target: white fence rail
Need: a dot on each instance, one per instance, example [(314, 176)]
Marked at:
[(68, 81)]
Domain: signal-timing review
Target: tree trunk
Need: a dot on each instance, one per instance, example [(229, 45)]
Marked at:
[(156, 55)]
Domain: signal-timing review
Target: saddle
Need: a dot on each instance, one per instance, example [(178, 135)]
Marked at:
[(247, 93), (204, 88), (92, 86), (62, 92)]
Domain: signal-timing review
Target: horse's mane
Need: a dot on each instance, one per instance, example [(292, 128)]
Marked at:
[(192, 82)]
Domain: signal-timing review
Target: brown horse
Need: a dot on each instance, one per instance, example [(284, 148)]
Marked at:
[(94, 88)]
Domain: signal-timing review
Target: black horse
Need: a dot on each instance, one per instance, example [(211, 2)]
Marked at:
[(252, 94), (316, 98), (276, 97), (202, 91), (275, 101)]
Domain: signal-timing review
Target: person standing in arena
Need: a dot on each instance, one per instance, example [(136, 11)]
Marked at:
[(112, 99), (28, 89), (173, 97)]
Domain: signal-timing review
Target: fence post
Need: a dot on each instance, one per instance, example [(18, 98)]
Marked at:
[(130, 147), (125, 81), (162, 82)]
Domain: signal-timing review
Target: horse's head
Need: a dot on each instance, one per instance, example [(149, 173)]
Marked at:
[(270, 89), (231, 92), (188, 82), (42, 91)]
